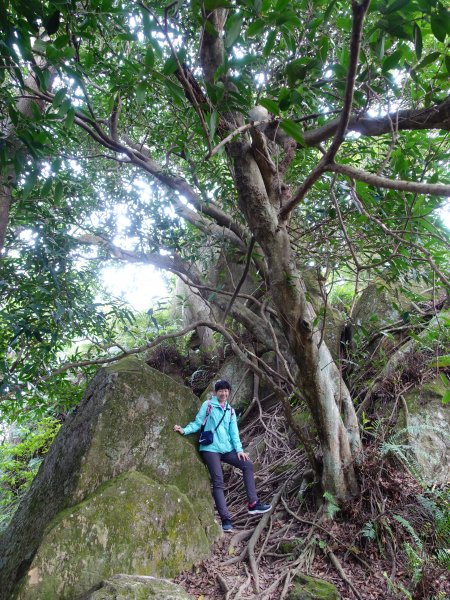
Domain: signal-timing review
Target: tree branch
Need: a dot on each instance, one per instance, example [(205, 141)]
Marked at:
[(399, 238), (241, 282), (434, 117), (148, 345), (432, 189), (359, 11)]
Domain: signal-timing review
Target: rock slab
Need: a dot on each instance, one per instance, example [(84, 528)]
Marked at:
[(117, 451), (133, 587)]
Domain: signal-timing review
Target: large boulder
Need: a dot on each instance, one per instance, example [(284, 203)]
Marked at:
[(379, 306), (133, 587), (130, 523), (426, 425), (116, 471)]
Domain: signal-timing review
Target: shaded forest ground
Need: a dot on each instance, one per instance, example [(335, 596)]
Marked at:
[(380, 546)]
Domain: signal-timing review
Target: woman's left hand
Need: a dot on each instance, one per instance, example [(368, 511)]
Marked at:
[(243, 456)]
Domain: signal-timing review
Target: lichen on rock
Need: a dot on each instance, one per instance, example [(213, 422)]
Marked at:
[(130, 524), (426, 425), (134, 587)]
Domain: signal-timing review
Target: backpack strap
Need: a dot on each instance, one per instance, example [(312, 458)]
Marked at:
[(208, 412)]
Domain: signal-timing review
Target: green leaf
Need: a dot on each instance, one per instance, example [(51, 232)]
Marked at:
[(46, 188), (29, 184), (444, 15), (296, 71), (39, 45), (213, 4), (396, 5), (68, 52), (379, 48), (270, 43), (281, 5), (52, 22), (234, 25), (418, 41), (441, 361), (70, 118), (392, 61), (256, 27), (447, 63), (327, 13), (428, 60), (141, 91), (438, 27), (446, 398), (175, 91), (59, 97), (213, 124), (13, 114), (52, 53), (61, 41), (171, 64), (64, 108), (149, 59), (271, 105), (284, 99), (293, 130), (59, 190)]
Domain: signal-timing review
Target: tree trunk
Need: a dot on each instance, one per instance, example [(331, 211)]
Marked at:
[(318, 377), (5, 203)]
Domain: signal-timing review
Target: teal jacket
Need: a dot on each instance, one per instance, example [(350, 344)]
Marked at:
[(226, 438)]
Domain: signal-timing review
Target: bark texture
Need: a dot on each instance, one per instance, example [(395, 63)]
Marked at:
[(317, 376)]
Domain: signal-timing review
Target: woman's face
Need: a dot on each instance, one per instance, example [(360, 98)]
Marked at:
[(222, 395)]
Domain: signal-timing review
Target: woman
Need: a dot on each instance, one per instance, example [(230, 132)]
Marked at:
[(217, 416)]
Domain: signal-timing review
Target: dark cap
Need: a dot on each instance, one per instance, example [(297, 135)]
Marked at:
[(221, 384)]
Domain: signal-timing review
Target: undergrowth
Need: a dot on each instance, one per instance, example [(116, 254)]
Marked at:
[(20, 460)]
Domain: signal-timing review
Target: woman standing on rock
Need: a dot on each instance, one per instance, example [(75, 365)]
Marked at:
[(216, 417)]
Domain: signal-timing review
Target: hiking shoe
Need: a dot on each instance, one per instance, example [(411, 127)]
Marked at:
[(259, 508), (227, 526)]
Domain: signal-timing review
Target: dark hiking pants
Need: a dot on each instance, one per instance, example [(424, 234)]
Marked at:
[(213, 462)]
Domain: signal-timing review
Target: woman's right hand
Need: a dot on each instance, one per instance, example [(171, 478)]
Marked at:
[(178, 429)]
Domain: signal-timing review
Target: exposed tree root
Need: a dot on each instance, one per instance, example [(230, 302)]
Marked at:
[(285, 542), (337, 565)]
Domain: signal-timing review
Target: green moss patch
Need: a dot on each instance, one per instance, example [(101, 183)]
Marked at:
[(311, 588), (131, 524)]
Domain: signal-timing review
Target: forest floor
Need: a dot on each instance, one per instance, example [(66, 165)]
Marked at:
[(369, 549)]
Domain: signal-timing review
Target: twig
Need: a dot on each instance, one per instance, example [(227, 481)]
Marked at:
[(240, 537), (313, 524), (337, 565), (244, 586), (391, 233), (257, 533), (223, 586), (232, 135), (285, 589), (242, 279)]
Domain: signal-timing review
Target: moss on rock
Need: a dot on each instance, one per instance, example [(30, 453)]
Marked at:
[(123, 425), (311, 588), (134, 431), (130, 524)]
